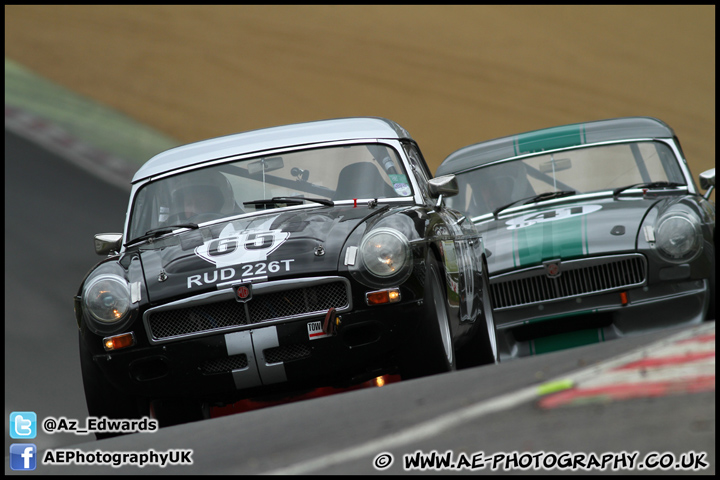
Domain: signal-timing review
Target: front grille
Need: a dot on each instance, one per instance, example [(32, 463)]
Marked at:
[(201, 318), (298, 301), (165, 323), (578, 277)]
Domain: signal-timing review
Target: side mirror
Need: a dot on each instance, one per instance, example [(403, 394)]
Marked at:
[(105, 243), (707, 181), (446, 185)]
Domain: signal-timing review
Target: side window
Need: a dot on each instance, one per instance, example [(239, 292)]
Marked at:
[(669, 163), (419, 169), (151, 208)]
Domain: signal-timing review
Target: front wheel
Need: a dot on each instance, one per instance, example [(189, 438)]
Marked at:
[(482, 349), (711, 308), (429, 349)]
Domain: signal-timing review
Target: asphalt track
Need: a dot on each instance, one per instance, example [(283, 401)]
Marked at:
[(53, 208)]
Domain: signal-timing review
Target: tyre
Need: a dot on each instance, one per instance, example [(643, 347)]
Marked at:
[(103, 399), (429, 349), (481, 349), (711, 308)]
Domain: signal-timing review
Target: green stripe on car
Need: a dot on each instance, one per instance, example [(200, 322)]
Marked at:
[(549, 139), (562, 238), (561, 341)]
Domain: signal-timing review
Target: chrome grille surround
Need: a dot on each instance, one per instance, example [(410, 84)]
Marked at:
[(586, 276), (272, 302)]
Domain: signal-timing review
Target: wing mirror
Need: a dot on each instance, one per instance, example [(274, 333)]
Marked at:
[(106, 243), (707, 181), (446, 185)]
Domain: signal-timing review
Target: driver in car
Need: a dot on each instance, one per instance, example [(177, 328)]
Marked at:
[(199, 200), (198, 194)]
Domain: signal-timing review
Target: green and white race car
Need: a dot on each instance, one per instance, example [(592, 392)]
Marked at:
[(592, 231)]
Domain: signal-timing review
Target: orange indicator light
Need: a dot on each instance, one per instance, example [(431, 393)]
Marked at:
[(119, 341), (623, 298), (380, 297)]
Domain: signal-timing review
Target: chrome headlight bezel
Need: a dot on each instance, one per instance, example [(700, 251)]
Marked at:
[(384, 257), (384, 252), (106, 300), (678, 236)]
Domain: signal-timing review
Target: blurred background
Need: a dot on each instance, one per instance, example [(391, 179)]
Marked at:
[(451, 75)]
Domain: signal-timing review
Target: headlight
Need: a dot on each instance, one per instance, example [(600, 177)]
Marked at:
[(107, 299), (385, 252), (678, 237)]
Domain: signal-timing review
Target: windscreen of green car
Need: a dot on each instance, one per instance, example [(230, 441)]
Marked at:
[(582, 170)]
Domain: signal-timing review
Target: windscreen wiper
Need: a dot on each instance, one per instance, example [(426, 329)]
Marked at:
[(290, 200), (661, 184), (156, 232), (535, 198)]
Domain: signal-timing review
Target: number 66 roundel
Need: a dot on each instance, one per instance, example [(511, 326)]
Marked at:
[(233, 247)]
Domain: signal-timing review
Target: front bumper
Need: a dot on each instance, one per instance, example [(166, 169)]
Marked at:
[(577, 321), (263, 359)]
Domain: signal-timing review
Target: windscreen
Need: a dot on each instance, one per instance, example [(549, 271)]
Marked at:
[(583, 170), (338, 173)]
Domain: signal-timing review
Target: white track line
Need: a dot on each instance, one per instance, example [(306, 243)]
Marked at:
[(437, 425)]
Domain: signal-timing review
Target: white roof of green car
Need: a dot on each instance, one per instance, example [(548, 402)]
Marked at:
[(271, 138)]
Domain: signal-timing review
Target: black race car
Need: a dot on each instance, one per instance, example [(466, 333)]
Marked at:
[(592, 231), (276, 261)]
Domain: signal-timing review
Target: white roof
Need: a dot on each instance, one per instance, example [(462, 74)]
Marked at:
[(271, 138)]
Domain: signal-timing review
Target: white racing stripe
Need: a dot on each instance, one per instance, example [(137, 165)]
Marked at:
[(437, 425)]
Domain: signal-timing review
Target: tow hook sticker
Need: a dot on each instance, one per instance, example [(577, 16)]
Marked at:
[(315, 330)]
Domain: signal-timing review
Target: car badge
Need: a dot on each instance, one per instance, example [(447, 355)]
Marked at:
[(243, 292), (552, 268)]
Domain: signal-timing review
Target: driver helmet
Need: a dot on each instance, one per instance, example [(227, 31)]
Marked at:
[(504, 183), (202, 191)]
